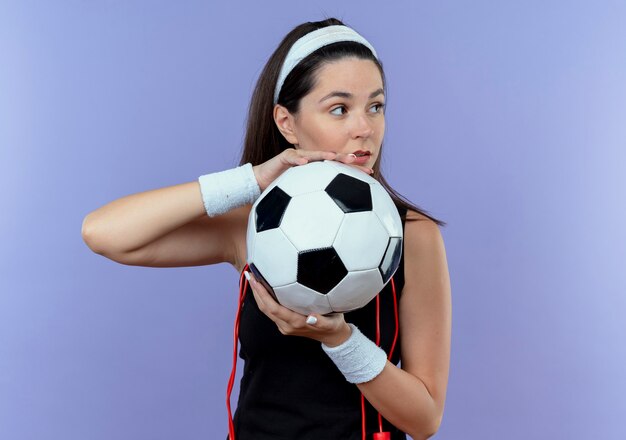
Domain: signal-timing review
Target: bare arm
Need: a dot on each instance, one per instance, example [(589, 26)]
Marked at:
[(162, 227), (169, 226), (131, 222), (413, 398)]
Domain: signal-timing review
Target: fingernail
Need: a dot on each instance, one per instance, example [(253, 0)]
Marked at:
[(246, 274), (352, 154), (311, 320)]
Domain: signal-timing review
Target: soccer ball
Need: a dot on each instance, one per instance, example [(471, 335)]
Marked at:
[(324, 237)]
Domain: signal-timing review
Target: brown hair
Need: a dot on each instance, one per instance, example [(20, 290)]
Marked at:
[(263, 140)]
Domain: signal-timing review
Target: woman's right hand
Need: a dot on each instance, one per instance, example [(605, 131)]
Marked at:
[(267, 172)]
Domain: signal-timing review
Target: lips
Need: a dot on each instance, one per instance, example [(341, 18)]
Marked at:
[(362, 157)]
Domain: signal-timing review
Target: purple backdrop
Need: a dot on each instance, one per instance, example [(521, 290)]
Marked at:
[(507, 121)]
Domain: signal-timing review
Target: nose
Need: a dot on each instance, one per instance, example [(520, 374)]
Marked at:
[(363, 126)]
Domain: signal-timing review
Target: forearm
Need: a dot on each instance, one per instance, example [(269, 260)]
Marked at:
[(404, 400), (133, 221), (399, 396)]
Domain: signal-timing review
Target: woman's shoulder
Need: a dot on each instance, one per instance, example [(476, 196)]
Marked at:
[(414, 215), (417, 220), (420, 232)]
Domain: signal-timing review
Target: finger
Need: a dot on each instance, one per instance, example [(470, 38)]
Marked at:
[(294, 160), (346, 157), (301, 157), (349, 158), (328, 322), (318, 154), (260, 293), (269, 305), (255, 286), (257, 298)]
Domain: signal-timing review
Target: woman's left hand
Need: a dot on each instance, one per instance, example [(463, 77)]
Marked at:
[(331, 330)]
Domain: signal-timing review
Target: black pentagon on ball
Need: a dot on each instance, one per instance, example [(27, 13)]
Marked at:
[(270, 210), (320, 269), (391, 259), (350, 194), (261, 279)]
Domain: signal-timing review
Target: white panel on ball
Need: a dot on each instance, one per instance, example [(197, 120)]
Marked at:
[(367, 282), (303, 300), (386, 210), (250, 236), (312, 221), (312, 177), (352, 171), (275, 257), (361, 241)]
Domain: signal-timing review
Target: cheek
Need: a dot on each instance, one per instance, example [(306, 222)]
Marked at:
[(333, 141), (321, 136), (381, 126)]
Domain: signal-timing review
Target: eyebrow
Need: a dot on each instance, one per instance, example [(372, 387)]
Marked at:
[(349, 95)]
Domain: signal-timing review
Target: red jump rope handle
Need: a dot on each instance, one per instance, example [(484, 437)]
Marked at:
[(382, 436)]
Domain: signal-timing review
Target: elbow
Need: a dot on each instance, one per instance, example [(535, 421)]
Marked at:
[(99, 243), (422, 434), (87, 234), (91, 237), (434, 428)]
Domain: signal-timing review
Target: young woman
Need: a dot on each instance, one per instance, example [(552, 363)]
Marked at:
[(321, 96)]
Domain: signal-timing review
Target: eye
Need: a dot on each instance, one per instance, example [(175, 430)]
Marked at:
[(381, 105), (337, 108)]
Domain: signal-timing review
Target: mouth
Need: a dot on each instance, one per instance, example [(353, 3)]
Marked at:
[(362, 157)]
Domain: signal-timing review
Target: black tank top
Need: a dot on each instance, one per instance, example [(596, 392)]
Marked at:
[(291, 390)]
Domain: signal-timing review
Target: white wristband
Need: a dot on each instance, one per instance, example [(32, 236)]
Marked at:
[(228, 189), (359, 359)]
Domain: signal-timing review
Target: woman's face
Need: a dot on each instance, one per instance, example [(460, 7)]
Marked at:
[(343, 113)]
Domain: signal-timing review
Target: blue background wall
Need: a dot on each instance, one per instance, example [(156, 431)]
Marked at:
[(507, 120)]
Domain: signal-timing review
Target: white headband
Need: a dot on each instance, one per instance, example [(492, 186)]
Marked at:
[(312, 41)]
